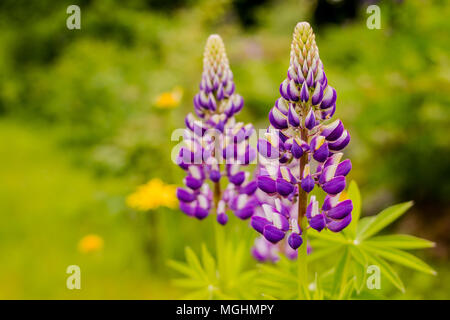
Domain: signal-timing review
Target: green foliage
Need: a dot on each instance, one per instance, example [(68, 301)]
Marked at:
[(222, 278), (356, 249)]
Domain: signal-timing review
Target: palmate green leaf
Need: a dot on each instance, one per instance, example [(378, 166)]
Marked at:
[(347, 290), (360, 275), (325, 252), (340, 274), (354, 195), (208, 262), (278, 273), (400, 257), (400, 241), (388, 272), (182, 268), (358, 255), (327, 235), (194, 263), (381, 220)]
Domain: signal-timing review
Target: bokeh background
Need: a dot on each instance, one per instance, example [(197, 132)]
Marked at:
[(86, 117)]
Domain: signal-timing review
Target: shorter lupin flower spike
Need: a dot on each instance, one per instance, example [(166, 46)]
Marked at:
[(216, 104)]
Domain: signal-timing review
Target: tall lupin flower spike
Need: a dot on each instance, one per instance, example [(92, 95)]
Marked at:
[(301, 150), (216, 145)]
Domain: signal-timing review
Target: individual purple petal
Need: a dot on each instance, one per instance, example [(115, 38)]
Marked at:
[(212, 104), (185, 195), (340, 143), (188, 208), (277, 119), (215, 175), (317, 95), (295, 240), (320, 75), (341, 210), (333, 159), (222, 218), (282, 105), (238, 178), (201, 213), (273, 234), (249, 188), (292, 91), (280, 221), (336, 225), (193, 183), (317, 222), (321, 154), (245, 212), (330, 202), (328, 173), (267, 184), (284, 187), (229, 89), (310, 79), (284, 91), (333, 130), (238, 103), (310, 120), (189, 121), (307, 183), (296, 149), (329, 97), (300, 77), (344, 168), (293, 118), (335, 185), (258, 223), (304, 93)]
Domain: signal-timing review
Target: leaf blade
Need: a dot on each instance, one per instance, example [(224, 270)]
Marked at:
[(401, 257), (400, 241), (382, 219)]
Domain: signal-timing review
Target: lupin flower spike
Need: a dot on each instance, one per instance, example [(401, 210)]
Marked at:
[(216, 146), (301, 150)]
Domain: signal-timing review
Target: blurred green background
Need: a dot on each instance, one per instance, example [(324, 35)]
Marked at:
[(86, 117)]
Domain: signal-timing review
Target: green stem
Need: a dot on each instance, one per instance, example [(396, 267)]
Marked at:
[(219, 234)]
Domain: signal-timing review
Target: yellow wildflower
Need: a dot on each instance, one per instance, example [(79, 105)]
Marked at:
[(152, 195), (171, 99), (90, 243)]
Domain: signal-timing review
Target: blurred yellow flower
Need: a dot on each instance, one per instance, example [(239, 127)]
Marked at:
[(171, 99), (90, 243), (152, 195)]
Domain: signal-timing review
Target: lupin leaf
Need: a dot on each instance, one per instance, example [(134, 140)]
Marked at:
[(340, 274), (208, 262), (347, 290), (389, 272), (400, 241), (401, 257), (381, 220)]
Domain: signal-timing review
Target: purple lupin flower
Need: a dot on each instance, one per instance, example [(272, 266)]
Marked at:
[(301, 150), (216, 146)]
